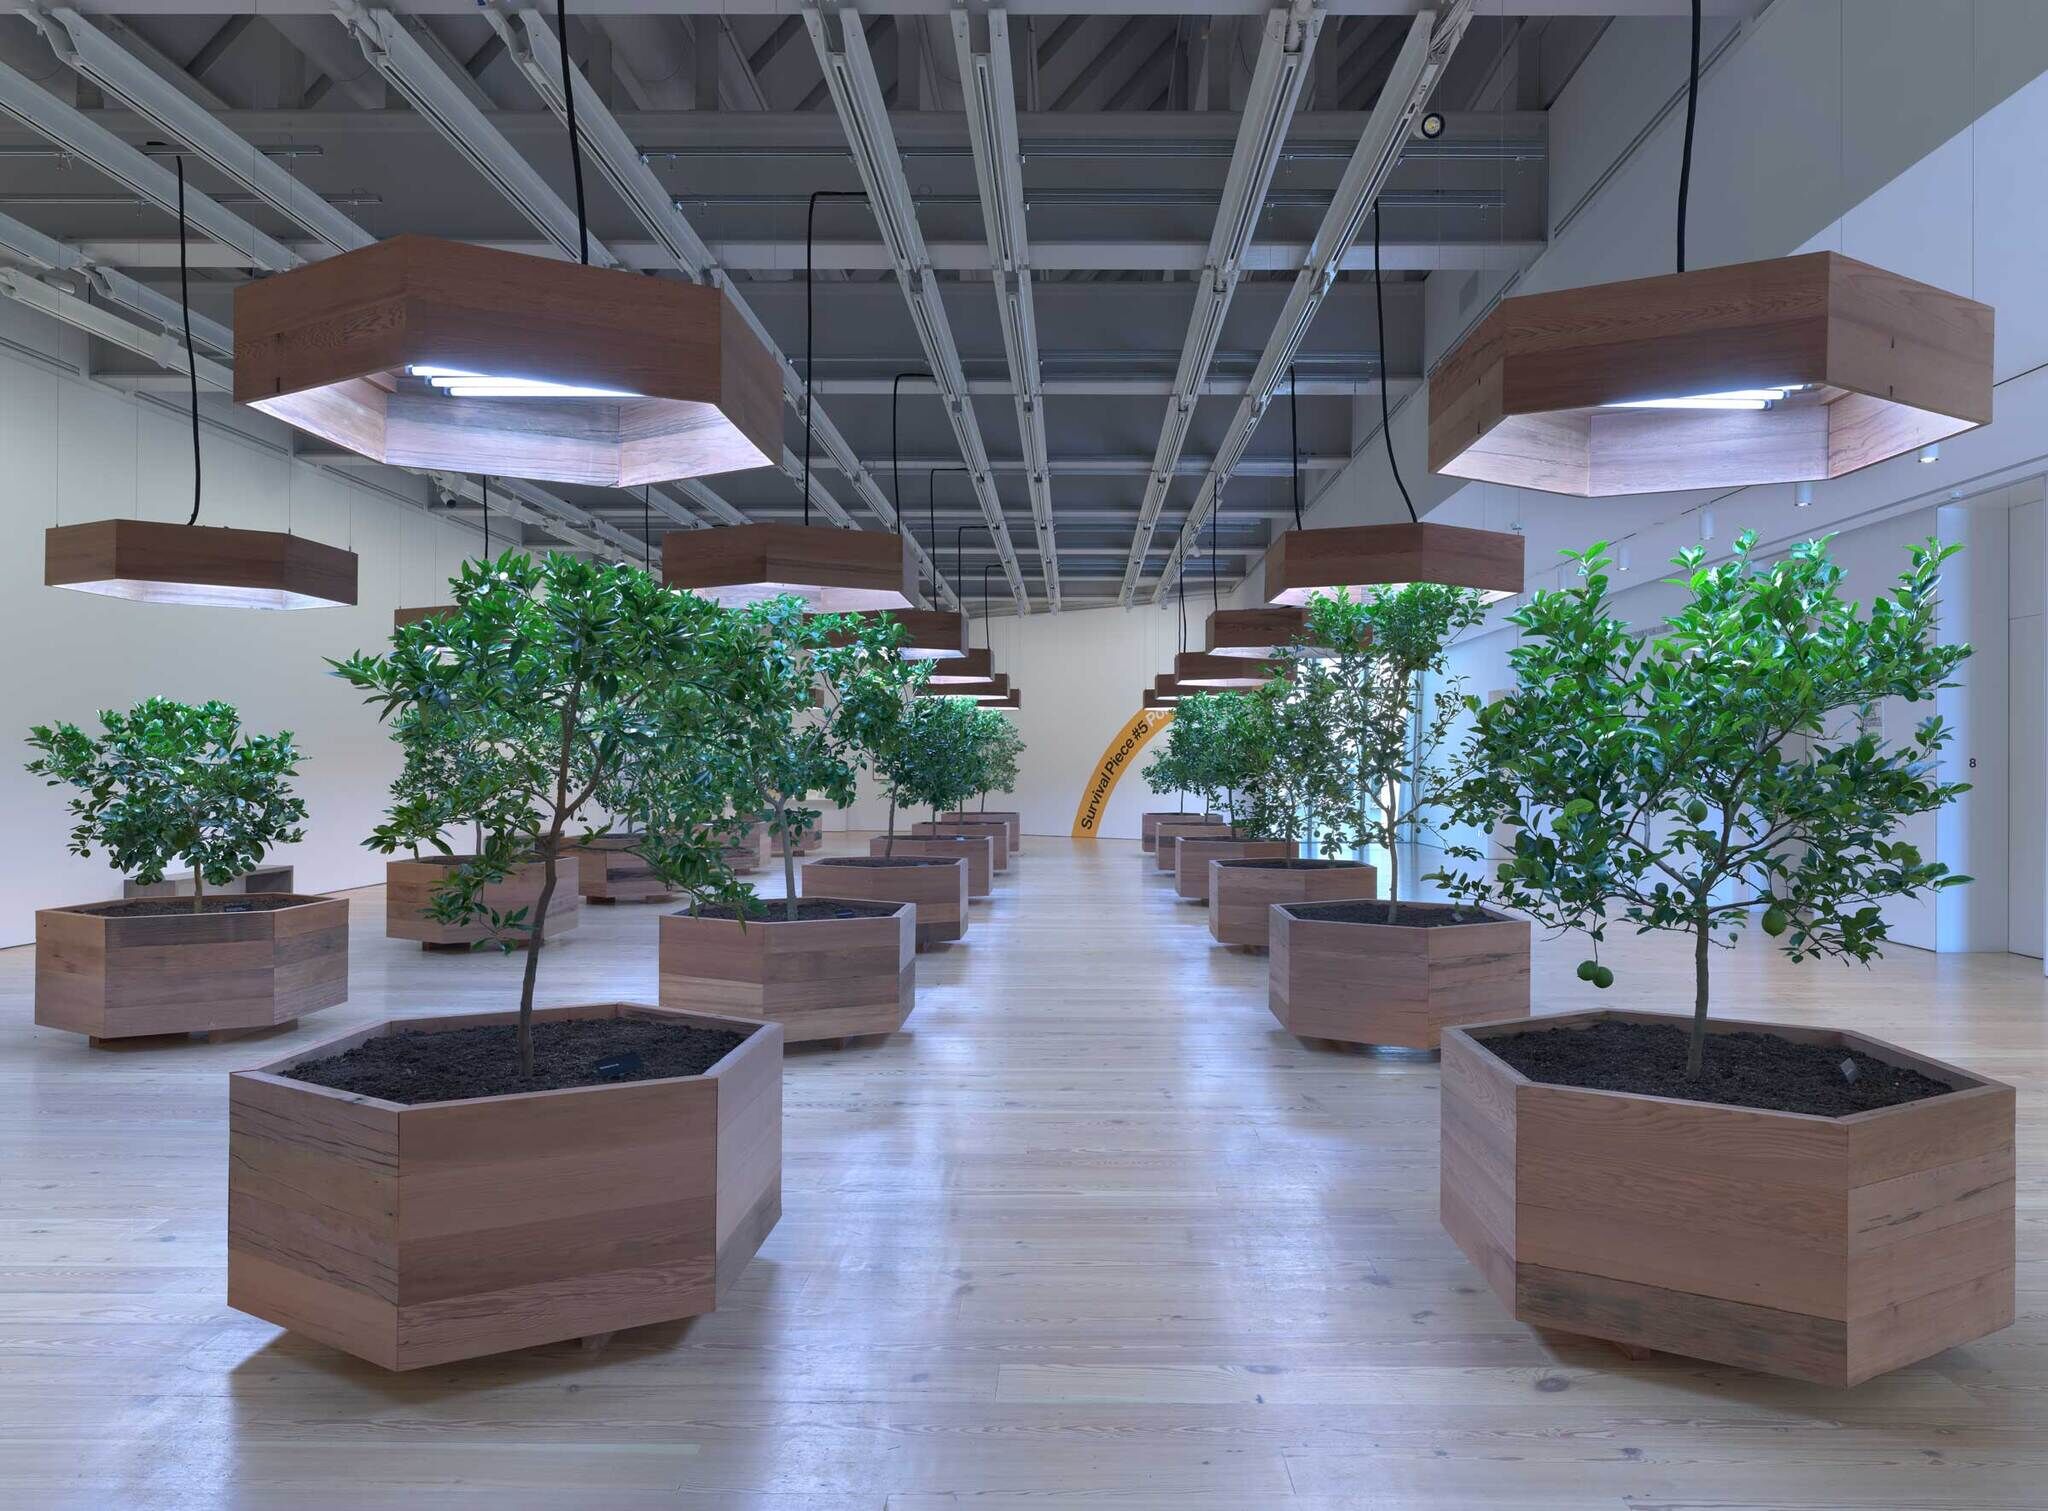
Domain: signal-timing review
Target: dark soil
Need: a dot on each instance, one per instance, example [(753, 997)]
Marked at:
[(163, 907), (1297, 865), (808, 910), (1412, 915), (484, 1062), (1740, 1070), (885, 860)]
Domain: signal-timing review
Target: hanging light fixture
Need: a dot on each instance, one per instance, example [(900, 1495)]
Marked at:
[(1795, 369), (400, 618), (971, 676), (154, 561), (834, 571), (1262, 633), (1353, 558), (440, 354), (1201, 671)]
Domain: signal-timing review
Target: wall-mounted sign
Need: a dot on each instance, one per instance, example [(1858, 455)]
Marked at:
[(1116, 758)]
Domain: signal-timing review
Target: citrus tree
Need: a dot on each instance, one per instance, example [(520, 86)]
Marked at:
[(171, 781), (549, 686), (997, 748), (921, 749), (1364, 732), (1685, 780)]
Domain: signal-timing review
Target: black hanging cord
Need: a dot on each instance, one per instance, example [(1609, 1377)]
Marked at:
[(1294, 441), (1386, 409), (1182, 581), (485, 484), (1215, 548), (191, 357), (575, 142), (1692, 108), (810, 230), (647, 529), (961, 576), (931, 520)]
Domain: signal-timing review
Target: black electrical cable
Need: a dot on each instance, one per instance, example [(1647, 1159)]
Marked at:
[(485, 484), (1386, 410), (810, 228), (1692, 106), (575, 142), (931, 520), (191, 357), (647, 529), (958, 555), (1294, 444), (896, 466)]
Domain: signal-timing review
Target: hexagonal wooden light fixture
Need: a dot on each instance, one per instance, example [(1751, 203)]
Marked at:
[(155, 561), (978, 665), (1795, 369), (931, 635), (1197, 671), (1164, 686), (834, 571), (439, 354), (1356, 557), (1160, 700), (997, 686), (1257, 633)]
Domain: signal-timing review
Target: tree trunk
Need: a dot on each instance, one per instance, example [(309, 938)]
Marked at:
[(198, 888), (779, 806), (536, 937), (1393, 865), (1696, 1050), (889, 845)]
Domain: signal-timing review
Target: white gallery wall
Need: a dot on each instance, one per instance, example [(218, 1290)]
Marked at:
[(72, 450)]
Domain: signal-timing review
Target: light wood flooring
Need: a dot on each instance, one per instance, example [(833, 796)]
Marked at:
[(1092, 1233)]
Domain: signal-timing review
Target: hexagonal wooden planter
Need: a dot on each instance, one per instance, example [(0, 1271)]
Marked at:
[(936, 885), (978, 850), (829, 978), (1828, 1249), (1148, 825), (1013, 822), (1396, 984), (996, 834), (1164, 837), (1193, 853), (409, 887), (607, 871), (110, 975), (417, 1235), (1242, 893), (808, 843), (743, 856)]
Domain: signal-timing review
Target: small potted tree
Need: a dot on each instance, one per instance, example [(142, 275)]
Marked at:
[(1303, 789), (1806, 1202), (174, 782), (1184, 764), (1242, 759), (834, 967), (997, 748), (431, 1189), (1394, 971), (922, 751)]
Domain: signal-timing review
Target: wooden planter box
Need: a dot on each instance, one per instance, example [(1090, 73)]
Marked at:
[(808, 843), (744, 854), (936, 887), (1165, 838), (1367, 983), (978, 850), (1829, 1249), (607, 871), (1148, 826), (264, 878), (1013, 822), (409, 887), (833, 978), (112, 977), (1241, 898), (996, 834), (1192, 856), (416, 1235)]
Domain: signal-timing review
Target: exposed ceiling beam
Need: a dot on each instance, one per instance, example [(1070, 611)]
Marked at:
[(842, 50), (1285, 53), (1245, 8), (25, 244), (982, 45), (1423, 56)]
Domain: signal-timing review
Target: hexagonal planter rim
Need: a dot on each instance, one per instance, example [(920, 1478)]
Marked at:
[(318, 1229), (941, 905), (858, 1004), (188, 1011), (1906, 1180), (1226, 929), (979, 851)]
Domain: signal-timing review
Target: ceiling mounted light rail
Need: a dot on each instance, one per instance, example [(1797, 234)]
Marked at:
[(1795, 369), (157, 561)]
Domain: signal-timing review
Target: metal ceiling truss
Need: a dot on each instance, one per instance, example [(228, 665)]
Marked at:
[(28, 245), (531, 46), (1425, 52), (856, 93), (982, 42), (1285, 52)]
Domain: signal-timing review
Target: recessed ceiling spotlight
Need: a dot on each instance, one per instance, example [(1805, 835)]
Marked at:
[(1431, 126)]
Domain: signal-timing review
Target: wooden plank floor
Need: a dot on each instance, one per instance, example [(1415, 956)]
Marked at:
[(1092, 1232)]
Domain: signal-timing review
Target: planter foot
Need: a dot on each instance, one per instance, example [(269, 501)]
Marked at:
[(601, 902), (229, 1035)]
